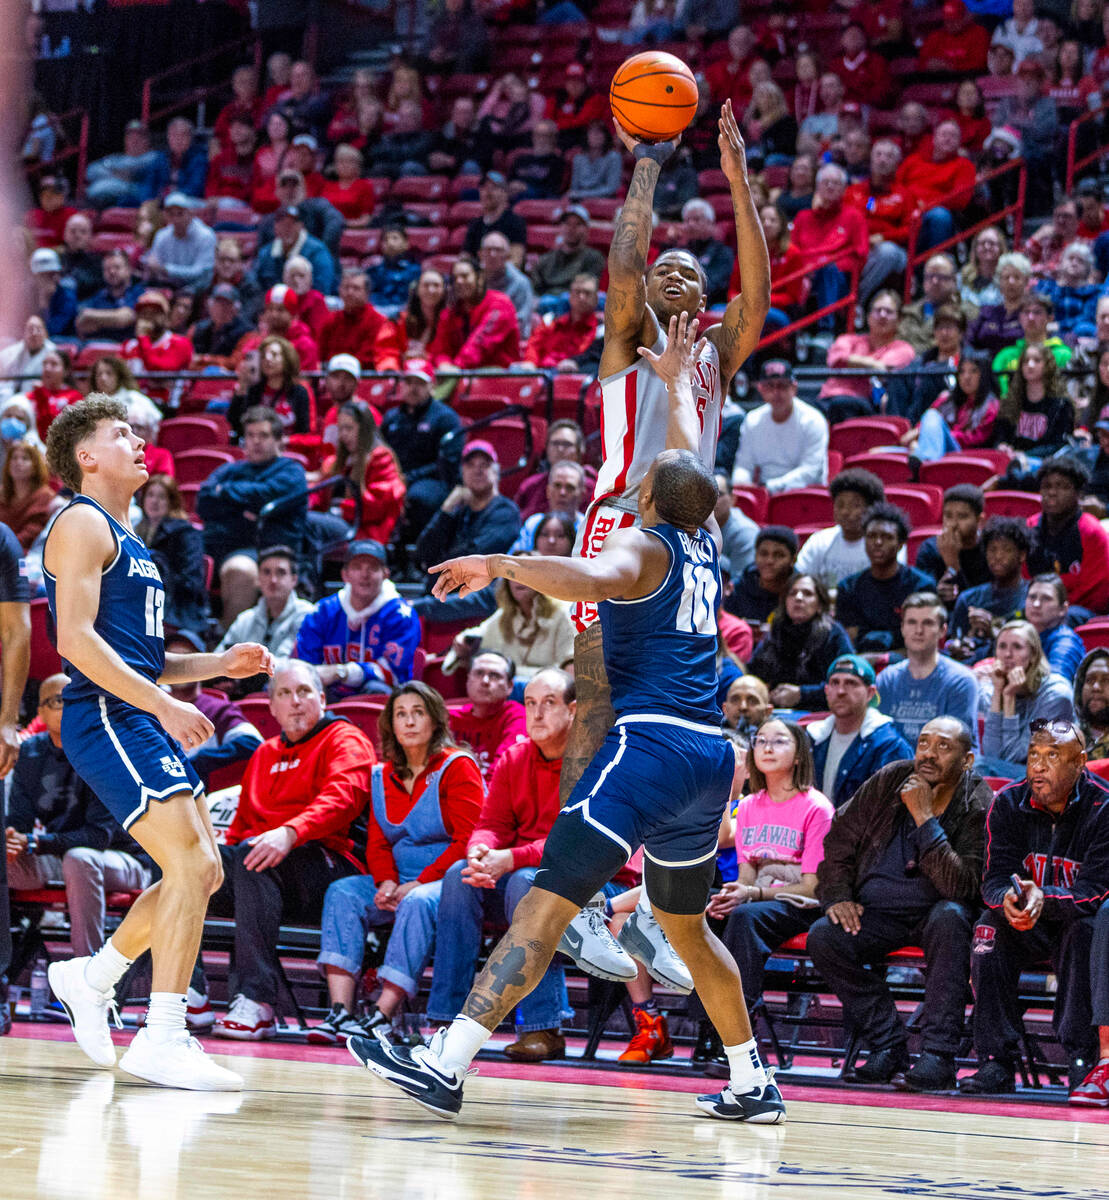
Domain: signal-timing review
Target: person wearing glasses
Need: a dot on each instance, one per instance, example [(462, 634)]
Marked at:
[(58, 829), (941, 287), (1050, 832), (902, 864), (1024, 690)]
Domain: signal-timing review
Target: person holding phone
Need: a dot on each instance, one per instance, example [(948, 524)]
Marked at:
[(1046, 889)]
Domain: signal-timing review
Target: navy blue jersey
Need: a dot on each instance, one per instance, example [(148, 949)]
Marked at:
[(132, 602), (13, 570), (660, 650)]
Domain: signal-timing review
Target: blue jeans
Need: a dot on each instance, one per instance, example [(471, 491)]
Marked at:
[(935, 438), (349, 913), (829, 284), (464, 908), (936, 226), (998, 768)]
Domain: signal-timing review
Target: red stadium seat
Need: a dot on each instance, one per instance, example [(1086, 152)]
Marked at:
[(112, 240), (383, 185), (543, 237), (801, 506), (256, 709), (603, 208), (509, 440), (362, 711), (1013, 504), (516, 391), (45, 660), (360, 241), (424, 188), (194, 466), (835, 463), (542, 212), (999, 458), (464, 183), (918, 536), (188, 496), (428, 241), (124, 219), (922, 504), (191, 433), (435, 213), (889, 467), (945, 472), (1094, 635), (751, 500), (860, 434)]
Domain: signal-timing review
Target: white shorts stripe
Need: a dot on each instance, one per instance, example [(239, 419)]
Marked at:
[(662, 719), (116, 742), (584, 804)]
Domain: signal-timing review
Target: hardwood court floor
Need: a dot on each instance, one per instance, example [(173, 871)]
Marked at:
[(309, 1130)]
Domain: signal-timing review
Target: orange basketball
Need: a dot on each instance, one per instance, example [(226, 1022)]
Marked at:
[(653, 96)]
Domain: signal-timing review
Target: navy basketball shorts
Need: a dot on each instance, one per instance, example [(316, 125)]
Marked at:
[(657, 782), (125, 756)]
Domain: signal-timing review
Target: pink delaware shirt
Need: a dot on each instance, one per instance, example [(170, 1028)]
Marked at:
[(792, 832)]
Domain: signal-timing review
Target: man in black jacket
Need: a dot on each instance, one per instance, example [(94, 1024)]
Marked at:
[(415, 430), (475, 518), (1052, 831), (902, 861), (58, 830)]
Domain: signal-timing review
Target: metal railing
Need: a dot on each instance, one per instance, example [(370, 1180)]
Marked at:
[(1074, 162), (849, 301), (1015, 209), (198, 94)]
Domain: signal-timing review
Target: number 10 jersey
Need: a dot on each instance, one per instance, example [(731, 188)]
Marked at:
[(132, 602), (660, 650)]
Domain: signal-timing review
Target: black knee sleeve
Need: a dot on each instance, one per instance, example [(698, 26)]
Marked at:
[(683, 891), (578, 860)]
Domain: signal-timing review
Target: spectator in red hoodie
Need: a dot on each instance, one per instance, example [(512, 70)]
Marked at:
[(359, 329), (831, 228), (155, 348), (866, 76), (574, 107), (311, 307), (53, 212), (727, 79), (245, 104), (490, 723), (560, 343), (1067, 541), (54, 391), (231, 169), (478, 328), (942, 179), (959, 45), (888, 208), (290, 837), (365, 458), (348, 192), (279, 319)]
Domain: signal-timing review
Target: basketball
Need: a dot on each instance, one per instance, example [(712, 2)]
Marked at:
[(653, 96)]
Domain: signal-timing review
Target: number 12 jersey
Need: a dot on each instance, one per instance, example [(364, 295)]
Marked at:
[(132, 602)]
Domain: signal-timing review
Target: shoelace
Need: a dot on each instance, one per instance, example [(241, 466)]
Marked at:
[(595, 919)]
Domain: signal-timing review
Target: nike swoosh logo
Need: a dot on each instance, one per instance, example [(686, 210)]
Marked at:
[(573, 939)]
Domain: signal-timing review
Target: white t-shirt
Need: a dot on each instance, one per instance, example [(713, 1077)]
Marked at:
[(831, 557), (838, 744), (790, 454)]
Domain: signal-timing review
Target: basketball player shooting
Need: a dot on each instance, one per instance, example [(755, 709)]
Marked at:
[(638, 306), (123, 735), (660, 779)]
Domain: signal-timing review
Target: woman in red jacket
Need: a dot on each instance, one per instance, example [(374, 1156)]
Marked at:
[(478, 328), (363, 456), (352, 195), (54, 390), (426, 796)]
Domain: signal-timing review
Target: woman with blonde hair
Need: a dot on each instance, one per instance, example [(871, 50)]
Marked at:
[(770, 125), (27, 500), (1021, 690), (425, 797), (528, 627), (978, 279)]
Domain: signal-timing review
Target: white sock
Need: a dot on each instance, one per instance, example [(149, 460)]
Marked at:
[(748, 1072), (643, 903), (166, 1014), (464, 1038), (106, 968)]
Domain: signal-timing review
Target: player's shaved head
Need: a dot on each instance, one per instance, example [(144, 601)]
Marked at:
[(682, 489)]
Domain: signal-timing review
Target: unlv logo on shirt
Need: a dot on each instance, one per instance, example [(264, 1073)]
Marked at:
[(706, 379), (1064, 871)]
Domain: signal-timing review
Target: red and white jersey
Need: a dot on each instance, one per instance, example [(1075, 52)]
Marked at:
[(635, 410)]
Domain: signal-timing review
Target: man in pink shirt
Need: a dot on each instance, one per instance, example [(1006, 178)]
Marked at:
[(879, 350), (491, 722)]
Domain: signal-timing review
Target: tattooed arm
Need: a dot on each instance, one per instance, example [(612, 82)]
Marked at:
[(632, 564), (628, 320), (739, 332)]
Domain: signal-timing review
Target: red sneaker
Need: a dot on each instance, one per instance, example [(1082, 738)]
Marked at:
[(1093, 1091), (651, 1040)]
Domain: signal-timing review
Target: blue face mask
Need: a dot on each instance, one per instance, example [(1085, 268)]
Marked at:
[(12, 429)]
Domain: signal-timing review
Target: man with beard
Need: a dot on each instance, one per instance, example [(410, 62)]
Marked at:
[(1091, 694)]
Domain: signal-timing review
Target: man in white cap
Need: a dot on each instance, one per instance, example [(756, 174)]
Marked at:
[(184, 250), (55, 301)]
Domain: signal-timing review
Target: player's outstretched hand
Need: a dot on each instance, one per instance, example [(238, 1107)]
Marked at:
[(469, 574), (733, 155), (186, 724), (246, 659), (682, 350)]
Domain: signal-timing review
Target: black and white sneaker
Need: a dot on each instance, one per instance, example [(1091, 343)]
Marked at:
[(416, 1070), (761, 1106), (337, 1025)]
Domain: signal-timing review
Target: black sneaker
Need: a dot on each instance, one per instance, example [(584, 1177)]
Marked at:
[(883, 1065), (413, 1069), (337, 1025), (370, 1022), (930, 1073), (991, 1079), (761, 1106)]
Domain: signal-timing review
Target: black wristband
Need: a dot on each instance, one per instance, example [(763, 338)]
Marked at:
[(656, 151)]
